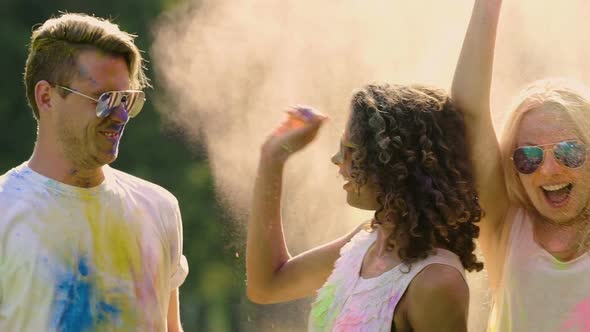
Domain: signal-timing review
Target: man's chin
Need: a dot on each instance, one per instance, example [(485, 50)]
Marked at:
[(106, 158)]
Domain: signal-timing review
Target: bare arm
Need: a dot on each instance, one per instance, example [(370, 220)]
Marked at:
[(273, 276), (174, 313), (438, 300), (473, 75), (471, 95)]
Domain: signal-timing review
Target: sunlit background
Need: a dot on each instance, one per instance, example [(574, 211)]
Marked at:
[(223, 72)]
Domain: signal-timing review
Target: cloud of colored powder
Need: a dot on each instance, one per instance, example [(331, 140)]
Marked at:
[(228, 69)]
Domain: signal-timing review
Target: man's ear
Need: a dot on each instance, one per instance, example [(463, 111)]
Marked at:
[(43, 96)]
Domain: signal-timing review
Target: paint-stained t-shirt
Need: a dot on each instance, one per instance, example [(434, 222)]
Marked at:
[(539, 292), (76, 259)]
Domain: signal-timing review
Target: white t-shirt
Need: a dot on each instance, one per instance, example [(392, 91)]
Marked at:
[(76, 259), (538, 292)]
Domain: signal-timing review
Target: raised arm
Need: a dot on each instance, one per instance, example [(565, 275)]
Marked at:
[(473, 75), (272, 275), (471, 94)]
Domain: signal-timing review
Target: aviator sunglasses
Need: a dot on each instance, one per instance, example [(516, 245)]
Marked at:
[(571, 154), (107, 102)]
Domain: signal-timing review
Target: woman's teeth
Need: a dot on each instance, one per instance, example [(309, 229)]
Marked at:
[(555, 187)]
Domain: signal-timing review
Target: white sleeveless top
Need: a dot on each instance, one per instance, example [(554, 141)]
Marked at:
[(348, 302), (538, 292)]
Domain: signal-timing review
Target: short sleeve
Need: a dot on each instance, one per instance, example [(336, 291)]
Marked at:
[(179, 268), (180, 274)]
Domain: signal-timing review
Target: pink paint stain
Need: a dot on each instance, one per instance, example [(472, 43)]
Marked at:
[(580, 318)]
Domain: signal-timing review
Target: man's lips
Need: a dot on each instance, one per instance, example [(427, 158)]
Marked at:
[(110, 134)]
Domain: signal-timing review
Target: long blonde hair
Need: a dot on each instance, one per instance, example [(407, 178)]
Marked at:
[(561, 95)]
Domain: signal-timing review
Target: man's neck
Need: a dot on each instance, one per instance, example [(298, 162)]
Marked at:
[(62, 170)]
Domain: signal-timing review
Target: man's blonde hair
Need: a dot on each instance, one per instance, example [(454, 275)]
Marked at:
[(56, 44)]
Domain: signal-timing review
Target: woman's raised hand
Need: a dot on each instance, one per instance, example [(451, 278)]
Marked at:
[(294, 133)]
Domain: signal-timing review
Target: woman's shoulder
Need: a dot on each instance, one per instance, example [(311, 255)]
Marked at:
[(441, 286)]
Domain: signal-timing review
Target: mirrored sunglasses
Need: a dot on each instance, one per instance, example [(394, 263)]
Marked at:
[(571, 154), (107, 102)]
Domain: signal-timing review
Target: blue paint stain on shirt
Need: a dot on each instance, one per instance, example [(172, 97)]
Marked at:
[(77, 305), (106, 312), (83, 266)]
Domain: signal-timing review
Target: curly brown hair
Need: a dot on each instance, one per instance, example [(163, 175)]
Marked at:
[(412, 141)]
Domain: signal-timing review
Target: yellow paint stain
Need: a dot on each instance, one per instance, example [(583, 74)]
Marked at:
[(115, 256)]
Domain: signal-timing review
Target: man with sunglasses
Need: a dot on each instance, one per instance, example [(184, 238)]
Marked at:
[(533, 185), (85, 247)]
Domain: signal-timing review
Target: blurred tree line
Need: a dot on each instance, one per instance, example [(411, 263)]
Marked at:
[(212, 298)]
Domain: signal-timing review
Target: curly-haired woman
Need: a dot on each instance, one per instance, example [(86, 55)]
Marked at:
[(404, 156)]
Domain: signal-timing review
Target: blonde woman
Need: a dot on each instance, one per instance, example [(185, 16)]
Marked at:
[(533, 184)]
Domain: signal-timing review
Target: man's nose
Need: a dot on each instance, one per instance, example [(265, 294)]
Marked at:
[(119, 114)]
